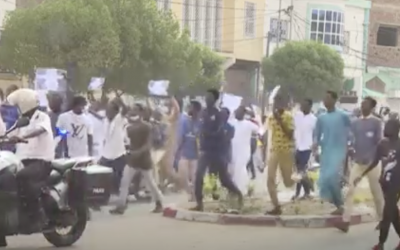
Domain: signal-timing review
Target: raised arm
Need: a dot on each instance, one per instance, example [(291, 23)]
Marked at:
[(122, 106), (317, 131), (175, 110)]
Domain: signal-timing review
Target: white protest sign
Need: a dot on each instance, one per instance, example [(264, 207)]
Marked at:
[(96, 83), (42, 96), (47, 79), (231, 102), (158, 88), (274, 92)]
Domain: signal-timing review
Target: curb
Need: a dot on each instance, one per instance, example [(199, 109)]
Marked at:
[(292, 221)]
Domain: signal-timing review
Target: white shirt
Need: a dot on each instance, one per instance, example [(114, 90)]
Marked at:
[(242, 138), (78, 128), (41, 146), (99, 128), (3, 128), (303, 130), (115, 135)]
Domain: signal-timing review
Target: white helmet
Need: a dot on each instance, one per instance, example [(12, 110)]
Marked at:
[(25, 99)]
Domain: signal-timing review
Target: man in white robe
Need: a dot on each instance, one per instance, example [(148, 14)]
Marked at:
[(241, 150)]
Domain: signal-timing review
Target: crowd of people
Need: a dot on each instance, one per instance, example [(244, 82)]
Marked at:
[(141, 143)]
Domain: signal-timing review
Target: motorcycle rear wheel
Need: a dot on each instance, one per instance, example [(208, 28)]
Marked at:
[(75, 232)]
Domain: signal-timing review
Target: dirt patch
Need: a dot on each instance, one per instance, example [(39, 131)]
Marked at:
[(260, 206)]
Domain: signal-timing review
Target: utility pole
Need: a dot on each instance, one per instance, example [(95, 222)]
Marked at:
[(279, 25), (264, 92), (291, 19)]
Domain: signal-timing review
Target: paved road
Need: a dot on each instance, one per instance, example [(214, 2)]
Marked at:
[(138, 229)]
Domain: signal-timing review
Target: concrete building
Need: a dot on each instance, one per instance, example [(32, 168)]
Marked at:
[(383, 58), (341, 24), (233, 28)]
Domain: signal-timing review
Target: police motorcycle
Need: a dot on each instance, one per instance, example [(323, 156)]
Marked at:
[(69, 190), (100, 178)]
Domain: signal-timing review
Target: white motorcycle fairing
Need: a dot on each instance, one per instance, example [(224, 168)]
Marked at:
[(11, 161)]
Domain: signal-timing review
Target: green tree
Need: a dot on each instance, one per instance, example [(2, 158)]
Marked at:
[(211, 69), (152, 48), (304, 69), (57, 33)]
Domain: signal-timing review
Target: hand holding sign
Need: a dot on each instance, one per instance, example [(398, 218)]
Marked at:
[(231, 102), (96, 83), (158, 88)]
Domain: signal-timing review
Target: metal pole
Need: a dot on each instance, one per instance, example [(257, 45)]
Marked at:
[(291, 19), (258, 72), (279, 24), (264, 93)]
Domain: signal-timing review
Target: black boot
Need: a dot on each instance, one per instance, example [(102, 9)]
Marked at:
[(36, 217)]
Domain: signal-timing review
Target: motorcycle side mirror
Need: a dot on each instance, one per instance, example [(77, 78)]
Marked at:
[(21, 122)]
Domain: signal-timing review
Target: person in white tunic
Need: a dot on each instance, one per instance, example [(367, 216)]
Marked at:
[(241, 150), (97, 117)]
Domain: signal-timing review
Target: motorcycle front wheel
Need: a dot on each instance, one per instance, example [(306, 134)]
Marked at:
[(73, 233)]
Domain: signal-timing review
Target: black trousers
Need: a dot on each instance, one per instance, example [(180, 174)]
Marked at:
[(390, 212), (117, 165), (217, 166), (30, 180)]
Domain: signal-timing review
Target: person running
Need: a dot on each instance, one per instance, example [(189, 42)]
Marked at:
[(304, 124), (388, 152), (213, 151), (281, 127), (188, 147), (251, 166), (332, 134), (139, 160), (79, 141), (229, 131), (367, 133)]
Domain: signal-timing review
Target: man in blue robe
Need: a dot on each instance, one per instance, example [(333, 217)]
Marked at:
[(332, 134)]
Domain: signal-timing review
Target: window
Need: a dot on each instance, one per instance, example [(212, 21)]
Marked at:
[(387, 36), (218, 25), (249, 21), (187, 15), (197, 21), (278, 29), (167, 4), (327, 26), (163, 4), (208, 24)]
